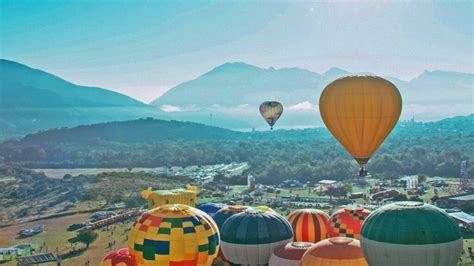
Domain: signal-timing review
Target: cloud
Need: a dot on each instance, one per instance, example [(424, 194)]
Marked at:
[(170, 108), (303, 106)]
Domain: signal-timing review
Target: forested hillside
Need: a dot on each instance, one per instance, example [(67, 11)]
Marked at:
[(434, 148)]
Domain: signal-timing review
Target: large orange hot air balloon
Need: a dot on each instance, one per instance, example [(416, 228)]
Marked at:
[(271, 111), (360, 111)]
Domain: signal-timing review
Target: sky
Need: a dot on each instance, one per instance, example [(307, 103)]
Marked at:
[(143, 48)]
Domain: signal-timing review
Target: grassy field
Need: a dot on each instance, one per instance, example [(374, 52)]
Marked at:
[(55, 237)]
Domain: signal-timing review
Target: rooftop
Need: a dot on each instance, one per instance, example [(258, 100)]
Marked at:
[(463, 217), (327, 182), (468, 197)]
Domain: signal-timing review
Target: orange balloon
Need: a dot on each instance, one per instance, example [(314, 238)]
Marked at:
[(360, 112)]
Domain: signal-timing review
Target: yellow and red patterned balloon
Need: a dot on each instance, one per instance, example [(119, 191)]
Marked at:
[(347, 222), (119, 257), (309, 225), (271, 112), (174, 235)]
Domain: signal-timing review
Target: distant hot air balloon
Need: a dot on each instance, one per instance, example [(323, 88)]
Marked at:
[(411, 234), (264, 208), (119, 257), (360, 111), (289, 254), (271, 111), (174, 235), (250, 237), (347, 222), (309, 225), (337, 251), (211, 208)]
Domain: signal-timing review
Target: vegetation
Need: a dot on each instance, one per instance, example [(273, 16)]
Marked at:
[(413, 148)]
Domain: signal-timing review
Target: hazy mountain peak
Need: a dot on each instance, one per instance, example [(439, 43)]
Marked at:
[(335, 71), (234, 67), (444, 73)]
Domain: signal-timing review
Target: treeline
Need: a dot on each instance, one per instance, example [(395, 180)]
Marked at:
[(413, 148)]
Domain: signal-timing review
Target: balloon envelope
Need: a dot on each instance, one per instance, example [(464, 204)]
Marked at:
[(250, 237), (422, 233), (119, 257), (271, 111), (309, 225), (337, 251), (360, 111), (174, 235), (347, 222), (289, 254)]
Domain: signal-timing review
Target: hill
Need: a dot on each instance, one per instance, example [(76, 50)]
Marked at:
[(22, 86), (236, 90), (33, 100), (413, 147)]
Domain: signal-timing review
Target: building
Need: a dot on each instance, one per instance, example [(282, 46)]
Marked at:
[(455, 200), (326, 182), (159, 198), (465, 221), (411, 182), (251, 182)]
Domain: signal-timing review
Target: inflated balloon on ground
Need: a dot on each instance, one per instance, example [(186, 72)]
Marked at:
[(119, 257), (174, 235), (309, 225), (264, 208), (337, 251), (411, 234), (211, 208), (289, 254), (347, 222), (225, 213), (251, 237)]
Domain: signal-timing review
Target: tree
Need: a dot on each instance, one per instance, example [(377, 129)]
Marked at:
[(86, 237)]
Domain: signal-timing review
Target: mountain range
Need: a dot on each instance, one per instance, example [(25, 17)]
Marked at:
[(226, 96)]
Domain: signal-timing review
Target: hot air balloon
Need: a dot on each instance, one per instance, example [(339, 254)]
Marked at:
[(225, 213), (174, 234), (220, 217), (337, 251), (264, 208), (360, 112), (211, 208), (347, 222), (289, 254), (250, 237), (119, 257), (309, 225), (271, 111), (409, 234)]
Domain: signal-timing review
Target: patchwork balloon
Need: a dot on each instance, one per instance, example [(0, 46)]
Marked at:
[(347, 222), (174, 235)]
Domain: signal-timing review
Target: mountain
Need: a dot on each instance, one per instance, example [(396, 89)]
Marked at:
[(32, 100), (236, 90), (134, 131), (23, 86)]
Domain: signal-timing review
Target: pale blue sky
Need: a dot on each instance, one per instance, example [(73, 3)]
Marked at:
[(143, 48)]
